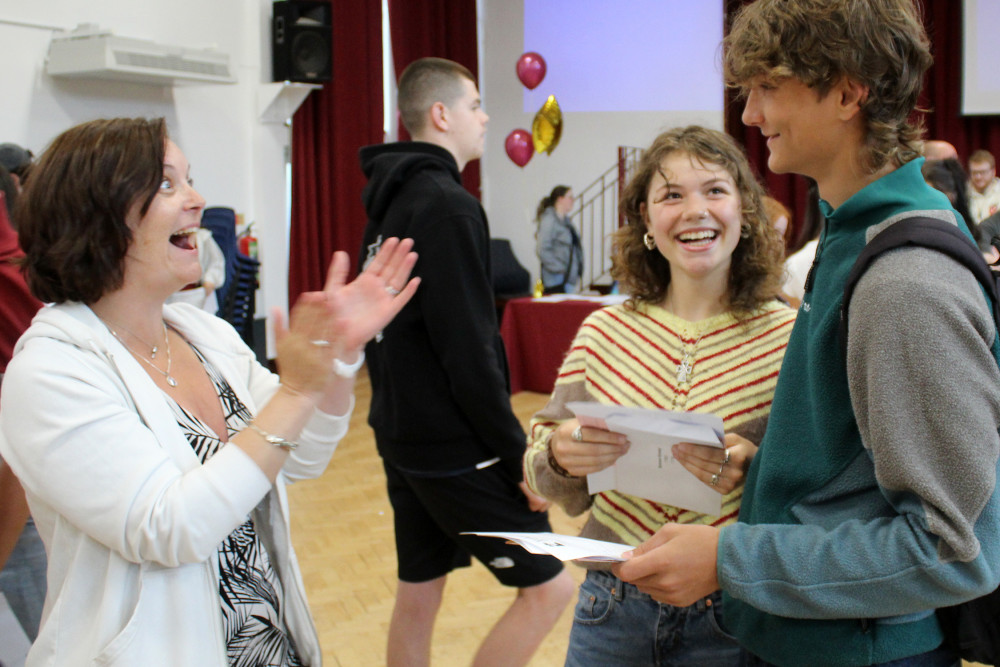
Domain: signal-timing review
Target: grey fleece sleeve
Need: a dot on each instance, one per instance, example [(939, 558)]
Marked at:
[(926, 392)]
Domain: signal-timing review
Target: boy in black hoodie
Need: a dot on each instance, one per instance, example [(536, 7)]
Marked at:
[(441, 412)]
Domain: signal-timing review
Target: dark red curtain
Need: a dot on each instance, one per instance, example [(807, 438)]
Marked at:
[(327, 131), (941, 99), (439, 28), (943, 86)]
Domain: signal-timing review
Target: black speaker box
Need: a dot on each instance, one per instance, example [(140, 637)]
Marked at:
[(301, 41)]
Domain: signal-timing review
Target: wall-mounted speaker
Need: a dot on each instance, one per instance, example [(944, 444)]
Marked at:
[(302, 41)]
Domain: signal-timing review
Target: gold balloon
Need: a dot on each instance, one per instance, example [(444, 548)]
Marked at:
[(547, 126)]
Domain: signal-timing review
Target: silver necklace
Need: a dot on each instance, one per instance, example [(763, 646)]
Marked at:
[(165, 373), (686, 366), (152, 352)]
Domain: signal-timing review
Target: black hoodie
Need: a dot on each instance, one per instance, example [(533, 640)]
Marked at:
[(440, 385)]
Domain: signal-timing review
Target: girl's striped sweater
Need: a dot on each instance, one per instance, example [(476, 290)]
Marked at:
[(631, 356)]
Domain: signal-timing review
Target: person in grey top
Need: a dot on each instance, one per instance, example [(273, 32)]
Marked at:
[(557, 243)]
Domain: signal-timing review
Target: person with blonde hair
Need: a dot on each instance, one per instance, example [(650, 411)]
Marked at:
[(780, 217), (984, 186)]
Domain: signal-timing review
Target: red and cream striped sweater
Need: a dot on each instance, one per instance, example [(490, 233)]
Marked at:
[(628, 356)]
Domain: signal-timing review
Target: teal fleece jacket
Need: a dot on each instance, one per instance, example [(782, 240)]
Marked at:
[(873, 498)]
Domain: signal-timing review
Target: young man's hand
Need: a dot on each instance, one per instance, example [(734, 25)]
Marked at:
[(677, 565)]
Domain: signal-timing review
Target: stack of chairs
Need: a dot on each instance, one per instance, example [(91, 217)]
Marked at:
[(237, 297)]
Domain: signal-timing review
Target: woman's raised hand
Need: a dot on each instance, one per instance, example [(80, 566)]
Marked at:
[(581, 450), (344, 316), (364, 306), (305, 350)]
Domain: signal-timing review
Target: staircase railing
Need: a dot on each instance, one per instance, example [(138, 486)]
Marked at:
[(597, 217)]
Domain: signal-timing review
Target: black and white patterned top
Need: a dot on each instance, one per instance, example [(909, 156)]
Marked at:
[(250, 592)]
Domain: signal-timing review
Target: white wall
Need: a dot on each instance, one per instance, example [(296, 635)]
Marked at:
[(236, 160), (589, 141)]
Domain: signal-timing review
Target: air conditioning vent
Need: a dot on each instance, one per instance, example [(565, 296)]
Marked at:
[(171, 64), (105, 56)]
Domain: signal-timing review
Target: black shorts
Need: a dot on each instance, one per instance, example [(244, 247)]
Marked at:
[(430, 513)]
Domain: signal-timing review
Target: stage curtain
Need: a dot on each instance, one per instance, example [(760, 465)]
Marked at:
[(327, 131), (439, 28), (941, 99)]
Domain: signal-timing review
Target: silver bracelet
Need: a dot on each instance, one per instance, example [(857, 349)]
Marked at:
[(347, 371), (271, 439)]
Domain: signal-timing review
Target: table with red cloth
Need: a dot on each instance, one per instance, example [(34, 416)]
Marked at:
[(537, 334)]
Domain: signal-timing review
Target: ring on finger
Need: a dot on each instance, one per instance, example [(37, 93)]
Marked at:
[(391, 290), (726, 460), (319, 342), (578, 434), (715, 480)]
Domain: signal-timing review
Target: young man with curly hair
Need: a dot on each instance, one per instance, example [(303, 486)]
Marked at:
[(873, 498)]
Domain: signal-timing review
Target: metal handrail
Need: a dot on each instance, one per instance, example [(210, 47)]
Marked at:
[(597, 217)]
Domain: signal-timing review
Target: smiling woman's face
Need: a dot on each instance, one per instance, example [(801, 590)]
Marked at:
[(693, 212), (163, 257)]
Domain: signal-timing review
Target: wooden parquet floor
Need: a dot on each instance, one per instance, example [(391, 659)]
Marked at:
[(343, 535), (342, 530)]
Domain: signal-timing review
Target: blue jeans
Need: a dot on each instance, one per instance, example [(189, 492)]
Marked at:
[(22, 580), (939, 657), (616, 624)]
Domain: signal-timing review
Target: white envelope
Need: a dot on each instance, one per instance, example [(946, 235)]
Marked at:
[(564, 547), (649, 470)]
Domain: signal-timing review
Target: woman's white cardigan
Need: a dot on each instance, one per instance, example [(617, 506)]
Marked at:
[(130, 518)]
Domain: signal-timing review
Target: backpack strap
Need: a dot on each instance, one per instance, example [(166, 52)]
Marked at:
[(924, 232), (970, 628)]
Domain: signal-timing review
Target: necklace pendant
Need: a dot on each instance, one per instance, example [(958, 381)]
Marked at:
[(152, 355), (171, 381), (683, 371)]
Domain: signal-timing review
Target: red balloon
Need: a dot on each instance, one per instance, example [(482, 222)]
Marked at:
[(531, 69), (519, 147)]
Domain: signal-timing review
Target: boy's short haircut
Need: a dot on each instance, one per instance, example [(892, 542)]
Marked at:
[(880, 44), (983, 155), (425, 82)]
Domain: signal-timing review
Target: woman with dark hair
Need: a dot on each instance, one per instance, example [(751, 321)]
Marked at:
[(153, 448), (8, 194), (949, 177), (701, 332), (557, 243)]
